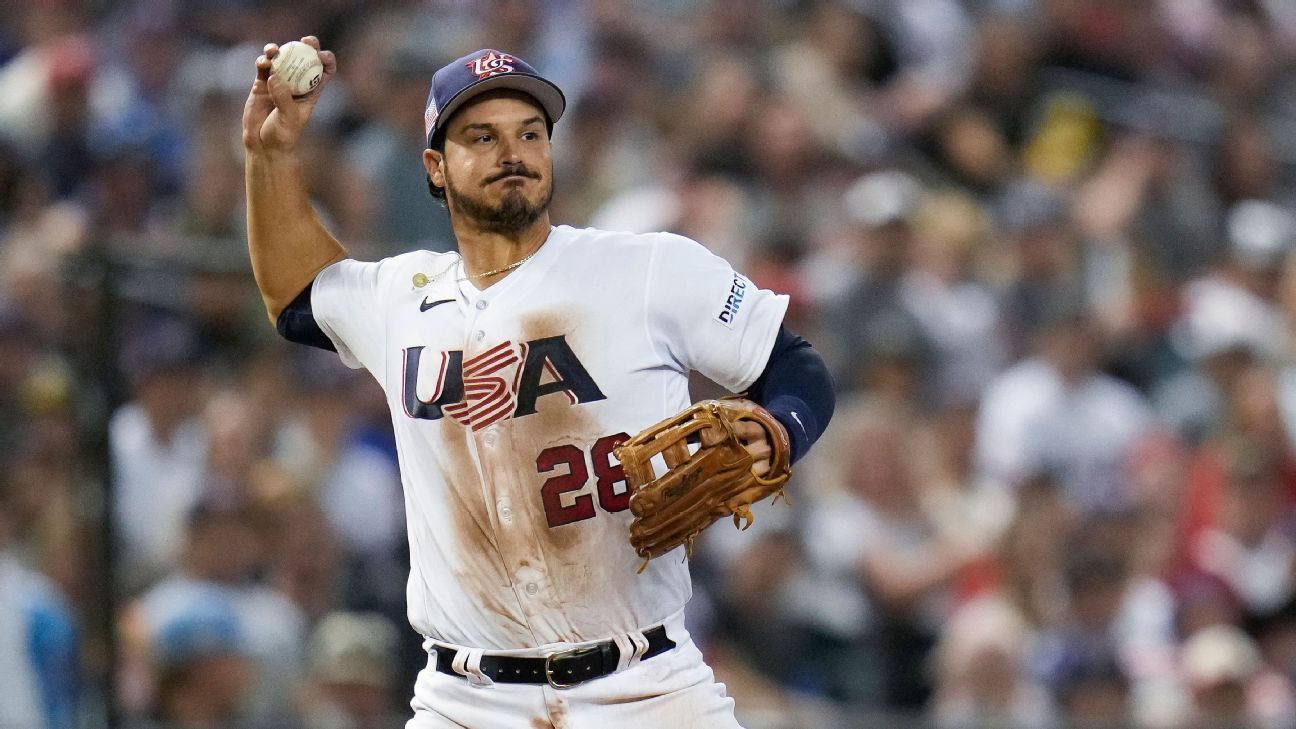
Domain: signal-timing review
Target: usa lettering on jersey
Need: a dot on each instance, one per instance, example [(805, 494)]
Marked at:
[(502, 382)]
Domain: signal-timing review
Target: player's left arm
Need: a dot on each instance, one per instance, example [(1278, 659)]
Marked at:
[(796, 388), (705, 316)]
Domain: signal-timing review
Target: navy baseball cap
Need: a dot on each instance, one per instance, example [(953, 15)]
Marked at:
[(484, 70)]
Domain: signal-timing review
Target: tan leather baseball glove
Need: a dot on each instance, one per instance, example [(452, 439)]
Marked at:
[(708, 474)]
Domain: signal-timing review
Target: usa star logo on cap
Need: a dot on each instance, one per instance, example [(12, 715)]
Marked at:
[(491, 64)]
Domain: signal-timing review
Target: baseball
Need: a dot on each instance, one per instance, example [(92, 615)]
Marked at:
[(299, 66)]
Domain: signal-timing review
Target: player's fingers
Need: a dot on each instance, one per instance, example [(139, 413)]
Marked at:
[(282, 96), (311, 41), (258, 104), (255, 111), (747, 431), (270, 50), (330, 62), (262, 68), (760, 452)]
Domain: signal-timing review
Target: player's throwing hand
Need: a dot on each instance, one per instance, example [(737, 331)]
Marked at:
[(273, 118)]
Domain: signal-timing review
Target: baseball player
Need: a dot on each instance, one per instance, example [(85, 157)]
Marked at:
[(513, 368)]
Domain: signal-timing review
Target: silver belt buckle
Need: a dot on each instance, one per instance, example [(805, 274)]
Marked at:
[(569, 653)]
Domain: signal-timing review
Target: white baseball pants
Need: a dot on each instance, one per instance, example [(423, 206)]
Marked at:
[(676, 690)]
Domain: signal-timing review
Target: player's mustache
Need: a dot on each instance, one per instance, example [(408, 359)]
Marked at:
[(511, 170)]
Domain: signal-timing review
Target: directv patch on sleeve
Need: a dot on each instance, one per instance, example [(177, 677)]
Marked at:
[(733, 300)]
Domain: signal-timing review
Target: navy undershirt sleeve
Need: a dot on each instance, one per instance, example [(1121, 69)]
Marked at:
[(797, 390), (297, 323)]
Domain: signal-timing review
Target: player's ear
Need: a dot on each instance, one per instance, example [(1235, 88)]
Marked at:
[(432, 162)]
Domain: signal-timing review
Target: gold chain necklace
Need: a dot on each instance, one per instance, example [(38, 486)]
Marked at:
[(422, 279), (509, 267)]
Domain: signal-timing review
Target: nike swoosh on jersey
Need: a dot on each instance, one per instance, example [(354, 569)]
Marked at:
[(428, 305), (798, 419)]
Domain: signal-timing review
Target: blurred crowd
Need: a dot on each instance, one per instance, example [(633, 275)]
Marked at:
[(1046, 246)]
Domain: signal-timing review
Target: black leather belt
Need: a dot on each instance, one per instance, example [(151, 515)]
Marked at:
[(563, 669)]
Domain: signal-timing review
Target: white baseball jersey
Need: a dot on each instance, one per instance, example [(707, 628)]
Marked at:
[(507, 404)]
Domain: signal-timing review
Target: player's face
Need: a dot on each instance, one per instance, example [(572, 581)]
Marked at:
[(496, 167)]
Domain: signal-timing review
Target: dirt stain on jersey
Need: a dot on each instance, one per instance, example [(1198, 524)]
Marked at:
[(556, 421), (481, 570), (577, 558)]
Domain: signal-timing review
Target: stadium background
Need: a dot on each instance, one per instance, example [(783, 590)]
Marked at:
[(1045, 245)]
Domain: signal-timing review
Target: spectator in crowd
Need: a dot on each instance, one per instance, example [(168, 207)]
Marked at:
[(875, 531), (159, 450), (981, 672), (39, 649), (1095, 693), (304, 557), (398, 64), (1057, 411), (1229, 683), (203, 673), (339, 458), (222, 558), (955, 310), (1229, 319), (1248, 544), (1079, 657), (351, 679), (1046, 279), (881, 344)]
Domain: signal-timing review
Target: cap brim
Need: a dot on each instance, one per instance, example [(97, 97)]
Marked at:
[(549, 96)]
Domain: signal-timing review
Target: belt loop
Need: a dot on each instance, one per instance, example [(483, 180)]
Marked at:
[(631, 647), (467, 663), (625, 651), (641, 645)]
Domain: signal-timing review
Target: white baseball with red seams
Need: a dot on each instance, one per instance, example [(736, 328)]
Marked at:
[(299, 66)]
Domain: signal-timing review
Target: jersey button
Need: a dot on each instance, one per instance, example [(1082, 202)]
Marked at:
[(532, 589), (504, 510), (480, 335), (481, 304), (489, 438)]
